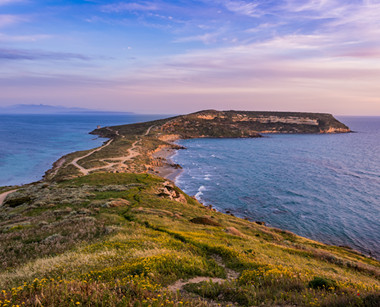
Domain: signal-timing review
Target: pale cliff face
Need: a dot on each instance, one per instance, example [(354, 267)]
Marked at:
[(335, 130), (212, 123)]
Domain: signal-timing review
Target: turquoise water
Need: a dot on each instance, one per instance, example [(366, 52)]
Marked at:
[(29, 144), (325, 187)]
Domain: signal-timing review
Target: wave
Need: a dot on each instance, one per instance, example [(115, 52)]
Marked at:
[(325, 187), (201, 189)]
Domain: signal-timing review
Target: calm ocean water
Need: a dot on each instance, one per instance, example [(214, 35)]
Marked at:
[(324, 187), (30, 144)]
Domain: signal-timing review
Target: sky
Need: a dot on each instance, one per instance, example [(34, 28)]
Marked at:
[(173, 57)]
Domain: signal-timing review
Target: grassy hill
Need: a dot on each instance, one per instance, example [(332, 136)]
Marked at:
[(103, 230), (152, 136), (137, 240), (222, 124)]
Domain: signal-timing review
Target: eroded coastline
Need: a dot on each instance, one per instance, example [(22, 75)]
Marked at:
[(104, 226)]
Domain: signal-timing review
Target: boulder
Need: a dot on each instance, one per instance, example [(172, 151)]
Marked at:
[(168, 191), (234, 231), (205, 220), (118, 202)]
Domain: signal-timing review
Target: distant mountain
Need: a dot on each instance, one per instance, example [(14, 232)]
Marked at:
[(47, 109)]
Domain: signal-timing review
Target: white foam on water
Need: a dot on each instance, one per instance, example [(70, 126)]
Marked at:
[(201, 189)]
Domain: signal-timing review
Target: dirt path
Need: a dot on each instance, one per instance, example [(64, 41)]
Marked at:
[(57, 165), (231, 275), (115, 131), (4, 195), (147, 132), (132, 153), (82, 169), (179, 284)]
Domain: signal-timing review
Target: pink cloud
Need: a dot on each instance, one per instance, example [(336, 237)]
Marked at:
[(7, 20)]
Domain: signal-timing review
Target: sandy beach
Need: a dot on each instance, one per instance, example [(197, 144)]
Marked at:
[(167, 170)]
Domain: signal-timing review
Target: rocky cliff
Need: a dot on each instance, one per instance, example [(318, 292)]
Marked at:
[(220, 124), (213, 123)]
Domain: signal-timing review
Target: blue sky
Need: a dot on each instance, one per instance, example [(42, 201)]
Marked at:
[(182, 56)]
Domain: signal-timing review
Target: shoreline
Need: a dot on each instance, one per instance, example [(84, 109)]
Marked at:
[(167, 170)]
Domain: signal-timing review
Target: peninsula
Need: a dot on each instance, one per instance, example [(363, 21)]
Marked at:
[(105, 229), (143, 147)]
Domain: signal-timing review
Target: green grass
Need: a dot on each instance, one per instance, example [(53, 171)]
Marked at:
[(73, 248)]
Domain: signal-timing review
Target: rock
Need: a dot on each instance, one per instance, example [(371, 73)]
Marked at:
[(118, 202), (234, 231), (168, 191), (110, 229), (15, 202), (65, 211), (53, 238), (176, 166), (84, 211), (260, 223), (204, 220)]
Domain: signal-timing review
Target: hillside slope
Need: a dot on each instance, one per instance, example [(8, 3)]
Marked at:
[(137, 240), (103, 230), (221, 124), (146, 139)]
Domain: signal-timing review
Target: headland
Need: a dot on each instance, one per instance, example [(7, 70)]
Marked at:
[(152, 142), (103, 229)]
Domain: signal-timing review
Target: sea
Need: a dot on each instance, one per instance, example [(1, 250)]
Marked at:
[(324, 187), (30, 144)]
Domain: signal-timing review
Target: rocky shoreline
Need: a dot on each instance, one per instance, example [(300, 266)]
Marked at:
[(103, 229)]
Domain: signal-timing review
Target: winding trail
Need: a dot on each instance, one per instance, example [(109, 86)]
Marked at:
[(132, 153), (231, 275), (82, 169), (4, 195), (147, 132)]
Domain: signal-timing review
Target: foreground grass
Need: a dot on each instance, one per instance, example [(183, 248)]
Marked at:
[(122, 239)]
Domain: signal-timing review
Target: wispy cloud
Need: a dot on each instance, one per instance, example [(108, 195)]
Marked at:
[(272, 51), (242, 7), (131, 6), (7, 20), (38, 55), (5, 2), (309, 5), (205, 38), (23, 38)]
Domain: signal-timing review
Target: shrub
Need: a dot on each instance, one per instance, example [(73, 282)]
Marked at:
[(371, 300), (323, 283), (15, 202)]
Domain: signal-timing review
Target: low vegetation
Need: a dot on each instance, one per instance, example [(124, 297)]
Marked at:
[(128, 239)]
